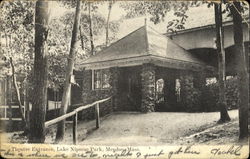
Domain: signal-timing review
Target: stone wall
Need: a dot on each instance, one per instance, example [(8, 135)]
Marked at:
[(190, 95), (148, 88), (89, 96), (114, 84)]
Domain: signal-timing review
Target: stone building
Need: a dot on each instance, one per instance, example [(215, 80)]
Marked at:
[(139, 71)]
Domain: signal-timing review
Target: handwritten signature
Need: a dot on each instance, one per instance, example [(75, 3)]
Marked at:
[(233, 150)]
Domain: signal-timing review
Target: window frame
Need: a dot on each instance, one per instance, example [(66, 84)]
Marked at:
[(101, 76)]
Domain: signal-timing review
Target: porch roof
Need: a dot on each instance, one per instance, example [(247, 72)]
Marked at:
[(144, 45)]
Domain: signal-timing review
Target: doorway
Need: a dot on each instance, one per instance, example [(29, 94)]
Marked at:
[(129, 85), (167, 94)]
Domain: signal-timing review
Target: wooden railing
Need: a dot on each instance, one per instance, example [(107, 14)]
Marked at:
[(74, 113)]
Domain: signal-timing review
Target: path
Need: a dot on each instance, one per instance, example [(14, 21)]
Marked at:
[(150, 129)]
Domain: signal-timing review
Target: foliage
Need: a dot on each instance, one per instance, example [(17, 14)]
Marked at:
[(158, 11), (16, 30), (59, 41), (17, 38), (210, 95), (59, 38)]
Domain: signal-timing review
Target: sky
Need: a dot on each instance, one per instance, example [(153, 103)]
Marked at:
[(197, 16), (202, 15), (132, 24), (57, 10)]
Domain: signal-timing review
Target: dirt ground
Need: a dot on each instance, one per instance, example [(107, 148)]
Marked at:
[(152, 128), (218, 134), (159, 128)]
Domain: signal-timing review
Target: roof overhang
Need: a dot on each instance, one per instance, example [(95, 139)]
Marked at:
[(139, 60)]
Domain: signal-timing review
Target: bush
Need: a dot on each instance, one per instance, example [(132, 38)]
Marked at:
[(210, 95)]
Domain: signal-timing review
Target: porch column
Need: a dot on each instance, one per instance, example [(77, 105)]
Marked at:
[(114, 84), (148, 88), (87, 86), (187, 88)]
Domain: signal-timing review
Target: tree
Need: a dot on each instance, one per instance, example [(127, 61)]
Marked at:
[(18, 94), (39, 101), (242, 69), (108, 19), (91, 29), (221, 63), (69, 73), (158, 11), (16, 26), (60, 36)]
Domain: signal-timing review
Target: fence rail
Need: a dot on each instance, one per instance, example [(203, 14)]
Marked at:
[(74, 113)]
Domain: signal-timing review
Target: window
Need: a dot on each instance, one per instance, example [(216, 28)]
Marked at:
[(101, 79), (178, 89), (159, 91), (159, 85)]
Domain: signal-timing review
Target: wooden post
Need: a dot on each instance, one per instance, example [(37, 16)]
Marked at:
[(75, 129), (111, 102), (97, 115)]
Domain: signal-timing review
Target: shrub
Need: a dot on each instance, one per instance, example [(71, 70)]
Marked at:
[(210, 95)]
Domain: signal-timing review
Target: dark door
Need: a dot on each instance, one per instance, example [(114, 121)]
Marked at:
[(134, 91), (130, 89)]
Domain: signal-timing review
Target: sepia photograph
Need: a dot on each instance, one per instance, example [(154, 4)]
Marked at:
[(120, 79)]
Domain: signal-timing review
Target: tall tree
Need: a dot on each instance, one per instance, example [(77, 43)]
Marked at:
[(16, 26), (37, 135), (221, 63), (91, 29), (107, 23), (242, 69), (69, 72), (18, 94)]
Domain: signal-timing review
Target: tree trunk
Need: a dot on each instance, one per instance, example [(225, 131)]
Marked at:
[(81, 37), (221, 63), (17, 93), (27, 108), (37, 133), (107, 23), (91, 30), (69, 73), (241, 69)]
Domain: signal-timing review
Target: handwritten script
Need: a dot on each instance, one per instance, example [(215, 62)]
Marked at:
[(67, 151)]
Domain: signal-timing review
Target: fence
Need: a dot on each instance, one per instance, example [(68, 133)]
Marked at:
[(74, 113), (4, 114)]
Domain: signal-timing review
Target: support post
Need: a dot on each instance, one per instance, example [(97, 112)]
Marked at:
[(75, 129), (111, 101), (97, 115), (148, 88)]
